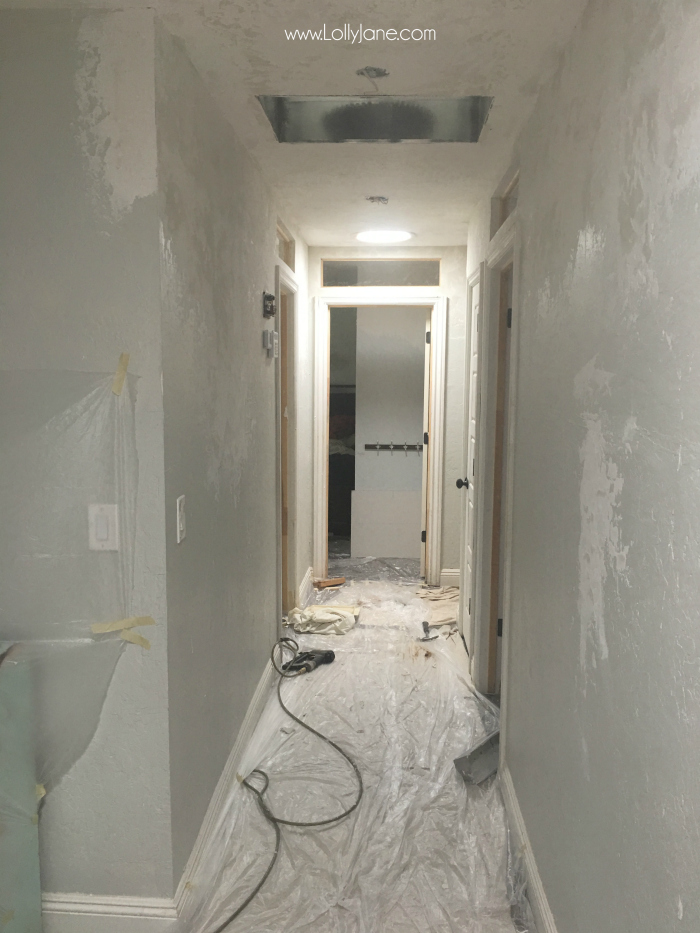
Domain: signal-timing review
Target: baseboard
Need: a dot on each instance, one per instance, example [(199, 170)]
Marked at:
[(306, 588), (78, 913), (449, 577), (535, 889), (185, 888), (85, 913)]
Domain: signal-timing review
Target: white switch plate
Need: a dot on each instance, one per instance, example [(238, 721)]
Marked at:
[(103, 527), (181, 523)]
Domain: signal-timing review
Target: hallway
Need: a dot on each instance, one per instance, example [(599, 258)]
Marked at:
[(424, 852)]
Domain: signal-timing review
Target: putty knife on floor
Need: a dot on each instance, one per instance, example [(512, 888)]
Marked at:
[(481, 762)]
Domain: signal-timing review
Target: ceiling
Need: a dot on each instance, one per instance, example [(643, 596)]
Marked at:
[(499, 48)]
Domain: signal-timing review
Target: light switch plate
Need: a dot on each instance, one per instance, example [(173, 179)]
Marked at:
[(181, 522), (103, 527)]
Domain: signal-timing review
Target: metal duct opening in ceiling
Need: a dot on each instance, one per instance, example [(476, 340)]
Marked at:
[(376, 119)]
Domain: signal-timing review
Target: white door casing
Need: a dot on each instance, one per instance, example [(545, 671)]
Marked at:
[(467, 595)]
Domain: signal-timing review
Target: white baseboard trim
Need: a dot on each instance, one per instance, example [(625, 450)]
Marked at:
[(449, 577), (306, 588), (535, 889), (89, 913), (71, 913)]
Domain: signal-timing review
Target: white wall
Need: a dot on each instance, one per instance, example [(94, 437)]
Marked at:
[(453, 286), (79, 284), (218, 256), (603, 692)]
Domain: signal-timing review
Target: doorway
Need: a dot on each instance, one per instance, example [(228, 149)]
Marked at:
[(487, 461), (378, 404), (286, 427), (389, 485)]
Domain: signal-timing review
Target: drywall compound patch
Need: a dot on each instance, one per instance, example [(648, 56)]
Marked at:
[(600, 551), (115, 92)]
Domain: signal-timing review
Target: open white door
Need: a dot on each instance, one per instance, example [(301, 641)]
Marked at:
[(468, 486)]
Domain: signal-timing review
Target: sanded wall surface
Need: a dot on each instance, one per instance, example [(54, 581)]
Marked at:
[(79, 285), (218, 256), (603, 687)]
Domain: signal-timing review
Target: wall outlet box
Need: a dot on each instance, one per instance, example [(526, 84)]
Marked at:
[(181, 522), (103, 527)]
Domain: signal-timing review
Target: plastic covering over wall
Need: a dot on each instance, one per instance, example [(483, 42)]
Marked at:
[(68, 442), (423, 851)]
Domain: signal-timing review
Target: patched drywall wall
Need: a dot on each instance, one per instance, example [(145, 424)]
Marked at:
[(603, 687), (453, 285), (79, 285), (218, 256)]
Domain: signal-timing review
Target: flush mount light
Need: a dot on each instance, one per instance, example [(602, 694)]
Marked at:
[(384, 236)]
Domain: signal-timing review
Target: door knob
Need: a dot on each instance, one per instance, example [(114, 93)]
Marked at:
[(462, 482)]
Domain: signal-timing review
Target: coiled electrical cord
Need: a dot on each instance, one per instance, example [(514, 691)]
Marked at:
[(275, 821)]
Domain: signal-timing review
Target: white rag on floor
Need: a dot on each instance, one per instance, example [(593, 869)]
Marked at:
[(324, 620), (443, 603)]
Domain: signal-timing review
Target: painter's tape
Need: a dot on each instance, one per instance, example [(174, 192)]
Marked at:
[(135, 639), (101, 628), (120, 374), (40, 791)]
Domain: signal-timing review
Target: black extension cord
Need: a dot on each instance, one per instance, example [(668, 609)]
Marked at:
[(287, 670)]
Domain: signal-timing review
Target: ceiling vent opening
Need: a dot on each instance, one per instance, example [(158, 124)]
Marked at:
[(376, 119)]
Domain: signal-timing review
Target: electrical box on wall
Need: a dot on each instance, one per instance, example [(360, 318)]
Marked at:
[(103, 527), (181, 522)]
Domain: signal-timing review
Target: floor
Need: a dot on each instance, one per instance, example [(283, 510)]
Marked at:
[(424, 852), (340, 564)]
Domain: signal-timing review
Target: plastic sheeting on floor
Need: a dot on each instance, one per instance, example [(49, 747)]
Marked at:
[(424, 852), (378, 569)]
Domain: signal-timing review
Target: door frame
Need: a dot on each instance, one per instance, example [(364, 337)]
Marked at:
[(286, 281), (364, 297), (503, 251), (474, 281)]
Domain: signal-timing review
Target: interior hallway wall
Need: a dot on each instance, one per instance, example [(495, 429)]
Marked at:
[(453, 285), (218, 256), (79, 284), (603, 686)]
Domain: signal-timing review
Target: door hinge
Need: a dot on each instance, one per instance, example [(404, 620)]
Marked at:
[(427, 336), (425, 438), (469, 610), (422, 537), (509, 318), (500, 628), (473, 468)]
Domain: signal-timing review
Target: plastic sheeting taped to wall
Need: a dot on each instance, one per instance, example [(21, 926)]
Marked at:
[(423, 851), (67, 442)]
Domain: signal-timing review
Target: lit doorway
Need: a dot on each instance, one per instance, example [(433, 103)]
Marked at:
[(378, 424), (381, 487)]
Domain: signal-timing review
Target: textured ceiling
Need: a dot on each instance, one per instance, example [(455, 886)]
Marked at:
[(500, 48)]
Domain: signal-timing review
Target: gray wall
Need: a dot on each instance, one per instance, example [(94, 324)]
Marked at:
[(453, 284), (79, 284), (603, 684), (218, 255)]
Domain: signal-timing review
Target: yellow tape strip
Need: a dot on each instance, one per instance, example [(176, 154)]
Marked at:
[(135, 638), (120, 374), (40, 791), (100, 628)]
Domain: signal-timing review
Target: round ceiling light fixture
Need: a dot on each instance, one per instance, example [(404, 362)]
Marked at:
[(384, 236)]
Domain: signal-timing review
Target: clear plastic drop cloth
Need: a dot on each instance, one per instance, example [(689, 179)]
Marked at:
[(378, 569), (67, 441), (424, 852)]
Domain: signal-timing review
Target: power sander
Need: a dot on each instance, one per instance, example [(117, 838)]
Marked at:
[(307, 661)]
